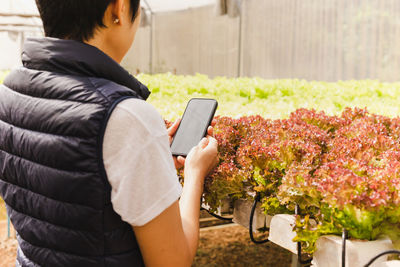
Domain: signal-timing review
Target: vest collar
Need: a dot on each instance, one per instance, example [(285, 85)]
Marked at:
[(77, 58)]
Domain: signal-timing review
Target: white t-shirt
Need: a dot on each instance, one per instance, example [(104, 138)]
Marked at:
[(138, 162)]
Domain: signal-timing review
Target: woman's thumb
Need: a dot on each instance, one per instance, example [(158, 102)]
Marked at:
[(203, 143)]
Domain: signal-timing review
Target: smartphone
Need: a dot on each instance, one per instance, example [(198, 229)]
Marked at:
[(198, 115)]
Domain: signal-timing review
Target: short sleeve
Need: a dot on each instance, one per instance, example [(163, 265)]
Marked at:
[(138, 162)]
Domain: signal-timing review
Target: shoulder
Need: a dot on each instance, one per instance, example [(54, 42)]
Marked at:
[(139, 114), (135, 106)]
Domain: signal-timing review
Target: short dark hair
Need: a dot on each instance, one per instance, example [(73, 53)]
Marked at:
[(75, 19)]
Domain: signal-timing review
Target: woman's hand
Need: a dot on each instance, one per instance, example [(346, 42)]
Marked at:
[(202, 159), (180, 161)]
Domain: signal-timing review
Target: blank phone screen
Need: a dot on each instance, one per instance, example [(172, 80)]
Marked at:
[(193, 126)]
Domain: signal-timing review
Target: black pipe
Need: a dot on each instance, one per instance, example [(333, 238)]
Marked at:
[(380, 255), (253, 208), (344, 237)]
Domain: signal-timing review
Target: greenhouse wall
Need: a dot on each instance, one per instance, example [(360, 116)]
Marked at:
[(188, 42), (321, 40), (138, 57), (313, 40)]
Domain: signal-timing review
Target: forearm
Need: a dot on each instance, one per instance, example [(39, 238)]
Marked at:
[(189, 204)]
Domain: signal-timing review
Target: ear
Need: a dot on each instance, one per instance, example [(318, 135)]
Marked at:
[(117, 11)]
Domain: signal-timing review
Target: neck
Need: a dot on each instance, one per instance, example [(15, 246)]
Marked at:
[(106, 46)]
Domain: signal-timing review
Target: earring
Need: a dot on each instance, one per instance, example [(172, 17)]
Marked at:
[(116, 20)]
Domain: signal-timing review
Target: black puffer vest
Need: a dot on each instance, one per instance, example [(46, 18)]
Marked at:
[(53, 113)]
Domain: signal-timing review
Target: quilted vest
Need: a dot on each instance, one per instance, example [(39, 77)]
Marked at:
[(53, 115)]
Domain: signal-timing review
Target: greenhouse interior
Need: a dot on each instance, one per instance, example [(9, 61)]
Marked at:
[(303, 163)]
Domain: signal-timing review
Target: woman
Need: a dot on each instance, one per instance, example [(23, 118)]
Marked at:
[(85, 166)]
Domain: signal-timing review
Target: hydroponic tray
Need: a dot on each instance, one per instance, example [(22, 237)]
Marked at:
[(329, 248)]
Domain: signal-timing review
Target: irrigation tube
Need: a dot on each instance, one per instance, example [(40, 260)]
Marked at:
[(253, 208), (380, 255), (217, 216), (344, 238)]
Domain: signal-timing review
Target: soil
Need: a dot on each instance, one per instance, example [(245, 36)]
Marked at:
[(8, 252), (226, 245), (230, 245)]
